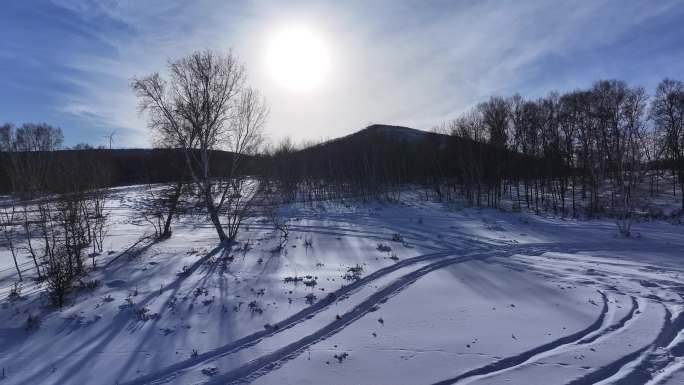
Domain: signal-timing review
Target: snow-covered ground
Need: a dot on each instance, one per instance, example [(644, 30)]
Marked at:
[(452, 296)]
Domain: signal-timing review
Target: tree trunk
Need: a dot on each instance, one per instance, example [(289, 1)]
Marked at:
[(16, 264), (213, 214), (172, 210)]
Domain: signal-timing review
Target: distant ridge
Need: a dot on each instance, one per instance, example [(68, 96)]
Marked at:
[(388, 132), (398, 132)]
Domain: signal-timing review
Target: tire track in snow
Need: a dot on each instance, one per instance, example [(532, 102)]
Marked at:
[(175, 370), (172, 371), (612, 328), (642, 372), (523, 357), (271, 361), (609, 330), (592, 337), (659, 357)]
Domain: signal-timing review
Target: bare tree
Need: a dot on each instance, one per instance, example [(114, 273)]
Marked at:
[(61, 204), (495, 117), (31, 150), (9, 220), (204, 106), (161, 205), (6, 132), (667, 112), (631, 166)]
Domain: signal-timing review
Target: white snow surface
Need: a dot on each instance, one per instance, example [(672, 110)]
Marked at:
[(464, 296)]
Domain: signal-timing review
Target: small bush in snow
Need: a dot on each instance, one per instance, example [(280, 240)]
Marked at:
[(310, 298), (59, 278), (255, 307), (353, 273), (384, 248), (15, 292), (142, 314), (294, 279), (308, 241), (341, 357)]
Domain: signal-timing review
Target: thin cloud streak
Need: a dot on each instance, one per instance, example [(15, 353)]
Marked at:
[(409, 63)]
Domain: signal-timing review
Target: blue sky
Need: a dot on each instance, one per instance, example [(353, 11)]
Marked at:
[(415, 63)]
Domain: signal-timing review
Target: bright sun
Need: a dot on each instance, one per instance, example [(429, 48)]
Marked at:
[(297, 58)]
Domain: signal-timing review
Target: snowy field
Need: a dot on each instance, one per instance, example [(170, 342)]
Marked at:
[(374, 293)]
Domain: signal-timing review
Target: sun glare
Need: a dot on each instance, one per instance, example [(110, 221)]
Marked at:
[(298, 58)]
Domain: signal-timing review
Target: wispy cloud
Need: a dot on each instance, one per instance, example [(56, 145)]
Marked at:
[(403, 62)]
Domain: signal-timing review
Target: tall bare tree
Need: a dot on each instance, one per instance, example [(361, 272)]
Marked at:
[(667, 112), (205, 106), (495, 117)]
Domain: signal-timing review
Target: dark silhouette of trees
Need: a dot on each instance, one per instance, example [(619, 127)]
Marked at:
[(667, 112), (57, 205), (582, 152), (592, 151)]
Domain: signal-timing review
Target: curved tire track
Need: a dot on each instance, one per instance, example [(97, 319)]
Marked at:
[(614, 327), (654, 362), (172, 371), (518, 359), (641, 373), (269, 362)]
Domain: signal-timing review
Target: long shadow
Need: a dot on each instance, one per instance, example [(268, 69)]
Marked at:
[(652, 363), (46, 310), (118, 324), (173, 370), (271, 361), (285, 324)]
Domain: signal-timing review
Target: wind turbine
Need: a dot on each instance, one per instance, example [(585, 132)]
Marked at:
[(111, 138)]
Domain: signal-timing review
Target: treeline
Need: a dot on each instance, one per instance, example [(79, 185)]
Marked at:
[(123, 166), (583, 151), (384, 159), (598, 142), (56, 215)]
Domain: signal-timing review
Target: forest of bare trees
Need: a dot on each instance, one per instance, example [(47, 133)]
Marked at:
[(605, 150), (57, 211), (584, 152)]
